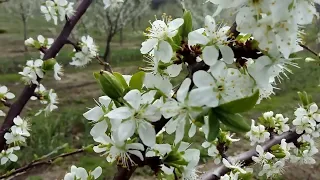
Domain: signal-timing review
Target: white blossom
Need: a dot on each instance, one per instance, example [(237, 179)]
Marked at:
[(138, 114), (271, 169), (32, 71), (88, 51), (58, 71), (258, 134), (263, 157), (180, 112), (117, 150), (80, 173), (8, 154), (5, 94), (158, 34)]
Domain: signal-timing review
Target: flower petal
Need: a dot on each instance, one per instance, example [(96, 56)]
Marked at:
[(126, 130), (210, 55), (147, 134)]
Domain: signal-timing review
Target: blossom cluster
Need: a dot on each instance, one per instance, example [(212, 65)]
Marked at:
[(57, 9), (273, 161), (14, 138), (88, 51)]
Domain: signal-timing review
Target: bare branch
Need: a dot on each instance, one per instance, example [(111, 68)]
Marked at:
[(28, 90)]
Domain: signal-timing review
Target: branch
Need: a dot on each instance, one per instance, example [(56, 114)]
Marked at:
[(75, 46), (28, 90), (308, 49), (5, 103), (39, 162), (246, 157)]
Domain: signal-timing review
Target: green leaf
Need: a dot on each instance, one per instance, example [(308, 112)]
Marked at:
[(136, 81), (234, 122), (186, 28), (304, 98), (110, 85), (241, 105), (214, 126), (121, 79), (49, 64)]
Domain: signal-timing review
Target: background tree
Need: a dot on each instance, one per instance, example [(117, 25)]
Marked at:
[(23, 10)]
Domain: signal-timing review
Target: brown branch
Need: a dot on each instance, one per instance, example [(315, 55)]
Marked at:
[(75, 46), (40, 162), (28, 90), (246, 157)]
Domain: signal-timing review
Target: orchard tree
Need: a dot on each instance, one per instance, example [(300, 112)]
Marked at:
[(24, 10), (230, 70), (110, 21)]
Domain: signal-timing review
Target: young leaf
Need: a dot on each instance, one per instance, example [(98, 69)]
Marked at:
[(241, 105), (186, 28), (121, 79), (136, 81), (214, 126), (110, 85), (233, 121)]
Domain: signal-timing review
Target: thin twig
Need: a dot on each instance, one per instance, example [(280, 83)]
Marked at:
[(6, 103), (39, 162), (308, 49), (75, 46)]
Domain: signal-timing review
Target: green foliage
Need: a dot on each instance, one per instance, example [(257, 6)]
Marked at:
[(234, 122), (241, 105), (136, 81), (214, 126), (110, 85)]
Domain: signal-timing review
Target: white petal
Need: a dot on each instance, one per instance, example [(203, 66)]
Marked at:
[(183, 90), (227, 54), (174, 70), (171, 126), (81, 173), (99, 129), (203, 79), (180, 130), (133, 97), (210, 55), (94, 114), (120, 113), (195, 38), (105, 100), (203, 96), (126, 130), (136, 153), (192, 130), (96, 172), (147, 134), (148, 45), (164, 52), (175, 24), (13, 157)]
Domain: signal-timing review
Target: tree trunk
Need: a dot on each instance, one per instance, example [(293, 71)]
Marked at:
[(133, 24), (107, 53), (24, 21), (121, 36)]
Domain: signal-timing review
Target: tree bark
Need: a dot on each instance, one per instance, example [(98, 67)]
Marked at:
[(107, 52), (121, 36), (24, 22)]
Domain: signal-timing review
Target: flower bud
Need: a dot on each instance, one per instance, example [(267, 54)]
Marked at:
[(29, 42)]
